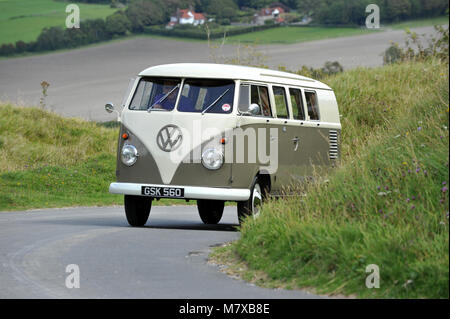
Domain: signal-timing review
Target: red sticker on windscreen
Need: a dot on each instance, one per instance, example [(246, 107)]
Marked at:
[(226, 107)]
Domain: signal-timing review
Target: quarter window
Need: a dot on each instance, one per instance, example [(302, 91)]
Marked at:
[(311, 102), (280, 102), (297, 104)]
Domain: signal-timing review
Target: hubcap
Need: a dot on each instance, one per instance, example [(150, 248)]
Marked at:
[(256, 201)]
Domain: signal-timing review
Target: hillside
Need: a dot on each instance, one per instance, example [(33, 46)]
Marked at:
[(387, 203)]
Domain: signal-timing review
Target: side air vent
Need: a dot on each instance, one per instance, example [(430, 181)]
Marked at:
[(334, 150)]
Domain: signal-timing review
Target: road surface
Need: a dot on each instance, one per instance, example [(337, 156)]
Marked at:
[(83, 80), (165, 259)]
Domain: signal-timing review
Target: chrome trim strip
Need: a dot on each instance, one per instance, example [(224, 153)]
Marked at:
[(190, 192)]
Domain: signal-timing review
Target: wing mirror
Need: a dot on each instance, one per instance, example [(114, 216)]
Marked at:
[(254, 109), (109, 107)]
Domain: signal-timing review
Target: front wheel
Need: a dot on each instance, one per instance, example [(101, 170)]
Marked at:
[(210, 211), (252, 206), (137, 209)]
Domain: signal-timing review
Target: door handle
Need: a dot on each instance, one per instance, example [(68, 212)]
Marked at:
[(296, 140)]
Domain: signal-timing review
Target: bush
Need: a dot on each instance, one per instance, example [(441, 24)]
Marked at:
[(117, 24), (340, 12), (145, 13), (7, 49), (51, 39), (201, 33), (329, 68), (393, 54), (415, 49), (21, 47)]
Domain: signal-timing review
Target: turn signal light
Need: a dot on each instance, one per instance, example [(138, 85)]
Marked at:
[(125, 136)]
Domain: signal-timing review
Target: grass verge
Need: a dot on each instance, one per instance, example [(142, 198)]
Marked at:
[(386, 204), (50, 161)]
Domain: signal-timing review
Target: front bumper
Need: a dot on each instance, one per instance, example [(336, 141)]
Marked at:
[(190, 192)]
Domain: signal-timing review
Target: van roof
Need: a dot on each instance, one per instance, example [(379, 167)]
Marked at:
[(228, 71)]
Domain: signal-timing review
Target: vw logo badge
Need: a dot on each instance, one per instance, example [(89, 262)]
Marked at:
[(169, 138)]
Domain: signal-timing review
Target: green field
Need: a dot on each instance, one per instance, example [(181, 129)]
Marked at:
[(287, 35), (24, 19), (387, 203), (419, 23)]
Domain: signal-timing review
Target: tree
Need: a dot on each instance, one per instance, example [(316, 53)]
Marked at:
[(51, 39), (256, 4), (21, 46), (117, 24), (95, 30), (7, 49), (222, 9), (146, 12)]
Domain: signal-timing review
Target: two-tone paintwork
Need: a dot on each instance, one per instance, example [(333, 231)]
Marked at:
[(295, 162)]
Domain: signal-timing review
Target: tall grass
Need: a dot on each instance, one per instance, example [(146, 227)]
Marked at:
[(386, 204), (31, 137), (50, 161)]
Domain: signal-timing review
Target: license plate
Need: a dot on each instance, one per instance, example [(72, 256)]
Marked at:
[(163, 192)]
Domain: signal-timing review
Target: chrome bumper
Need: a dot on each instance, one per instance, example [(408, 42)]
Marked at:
[(190, 192)]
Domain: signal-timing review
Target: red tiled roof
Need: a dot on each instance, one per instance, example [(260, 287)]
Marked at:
[(199, 16), (184, 14)]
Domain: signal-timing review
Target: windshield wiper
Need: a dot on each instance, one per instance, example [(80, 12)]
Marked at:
[(214, 103), (162, 99)]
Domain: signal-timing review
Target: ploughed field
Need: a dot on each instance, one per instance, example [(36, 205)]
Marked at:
[(83, 80)]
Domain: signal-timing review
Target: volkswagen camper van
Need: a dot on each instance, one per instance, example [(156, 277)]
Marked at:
[(215, 133)]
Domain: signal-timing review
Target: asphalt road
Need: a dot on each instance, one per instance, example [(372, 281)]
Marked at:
[(83, 80), (165, 259)]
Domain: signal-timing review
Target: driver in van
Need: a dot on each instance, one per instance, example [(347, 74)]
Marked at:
[(168, 103)]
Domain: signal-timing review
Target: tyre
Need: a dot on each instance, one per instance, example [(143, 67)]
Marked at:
[(137, 209), (210, 211), (252, 206)]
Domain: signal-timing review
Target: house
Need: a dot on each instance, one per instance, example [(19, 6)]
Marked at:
[(273, 13), (186, 16)]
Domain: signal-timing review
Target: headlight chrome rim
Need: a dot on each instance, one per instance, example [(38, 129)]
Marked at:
[(212, 163), (129, 155)]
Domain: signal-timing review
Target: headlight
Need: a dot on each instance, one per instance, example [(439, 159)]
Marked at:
[(212, 158), (129, 154)]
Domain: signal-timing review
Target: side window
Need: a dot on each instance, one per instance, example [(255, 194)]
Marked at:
[(260, 96), (297, 104), (281, 106), (313, 108)]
